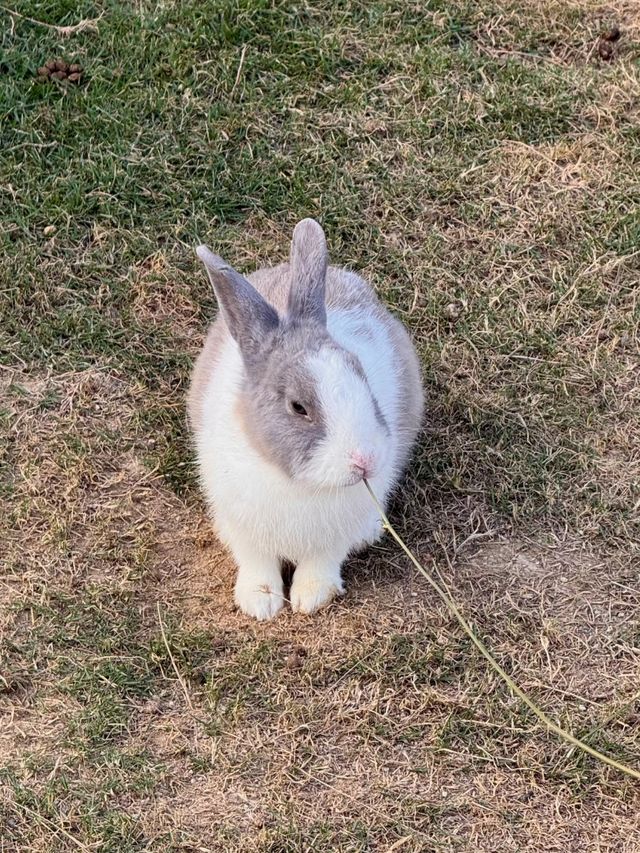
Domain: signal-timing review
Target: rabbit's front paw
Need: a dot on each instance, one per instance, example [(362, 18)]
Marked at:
[(262, 601), (312, 589)]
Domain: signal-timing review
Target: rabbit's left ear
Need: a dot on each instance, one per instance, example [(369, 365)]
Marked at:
[(308, 273), (248, 316)]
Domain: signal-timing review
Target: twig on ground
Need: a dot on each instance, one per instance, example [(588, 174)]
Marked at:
[(85, 24), (239, 71)]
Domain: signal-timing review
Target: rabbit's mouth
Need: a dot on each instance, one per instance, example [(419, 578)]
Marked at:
[(355, 477)]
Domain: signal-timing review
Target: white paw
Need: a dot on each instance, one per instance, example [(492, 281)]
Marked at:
[(261, 601), (309, 594)]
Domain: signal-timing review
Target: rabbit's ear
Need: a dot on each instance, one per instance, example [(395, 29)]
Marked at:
[(308, 273), (248, 316)]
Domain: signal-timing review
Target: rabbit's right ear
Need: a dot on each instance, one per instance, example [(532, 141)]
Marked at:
[(308, 273), (248, 316)]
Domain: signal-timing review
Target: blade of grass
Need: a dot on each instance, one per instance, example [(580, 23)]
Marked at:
[(181, 680), (54, 827), (517, 691)]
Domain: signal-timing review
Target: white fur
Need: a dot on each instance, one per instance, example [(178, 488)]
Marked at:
[(352, 426), (261, 514)]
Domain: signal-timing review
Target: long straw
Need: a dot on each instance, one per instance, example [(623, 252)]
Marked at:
[(484, 651)]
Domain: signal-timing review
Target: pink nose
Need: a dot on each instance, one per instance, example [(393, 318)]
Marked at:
[(362, 463)]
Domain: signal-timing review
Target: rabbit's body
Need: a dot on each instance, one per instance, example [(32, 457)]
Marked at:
[(304, 503)]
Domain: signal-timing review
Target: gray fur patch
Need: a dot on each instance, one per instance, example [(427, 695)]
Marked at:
[(249, 317), (286, 439), (308, 273)]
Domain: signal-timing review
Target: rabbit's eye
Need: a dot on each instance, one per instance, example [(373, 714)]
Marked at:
[(299, 409)]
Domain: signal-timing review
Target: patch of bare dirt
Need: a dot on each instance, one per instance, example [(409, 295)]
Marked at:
[(334, 747), (375, 711)]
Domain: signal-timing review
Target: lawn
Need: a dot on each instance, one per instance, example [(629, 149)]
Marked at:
[(479, 162)]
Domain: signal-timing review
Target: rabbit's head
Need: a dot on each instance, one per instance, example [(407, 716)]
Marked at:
[(305, 403)]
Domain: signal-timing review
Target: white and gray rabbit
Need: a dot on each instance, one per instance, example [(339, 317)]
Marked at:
[(306, 385)]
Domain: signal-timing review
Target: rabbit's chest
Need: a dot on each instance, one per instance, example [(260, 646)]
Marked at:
[(286, 521)]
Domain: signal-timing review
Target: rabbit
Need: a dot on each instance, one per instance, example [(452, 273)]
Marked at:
[(306, 386)]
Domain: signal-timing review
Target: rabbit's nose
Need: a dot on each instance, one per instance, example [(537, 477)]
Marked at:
[(362, 464)]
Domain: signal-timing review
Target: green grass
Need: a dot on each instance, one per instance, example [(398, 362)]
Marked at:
[(160, 149), (467, 153)]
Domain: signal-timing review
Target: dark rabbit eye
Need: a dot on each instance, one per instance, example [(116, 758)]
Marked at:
[(299, 409)]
